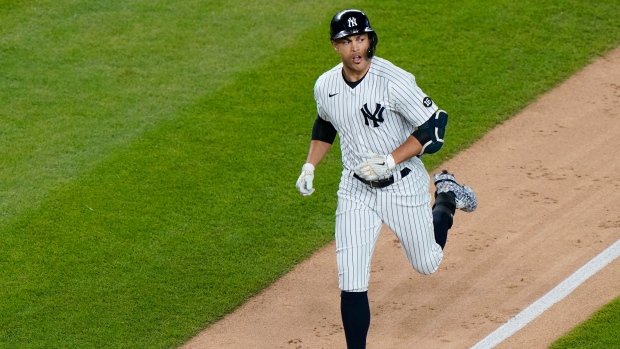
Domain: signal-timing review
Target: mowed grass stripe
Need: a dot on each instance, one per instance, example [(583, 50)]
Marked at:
[(185, 222), (82, 79), (177, 230), (109, 259), (58, 266)]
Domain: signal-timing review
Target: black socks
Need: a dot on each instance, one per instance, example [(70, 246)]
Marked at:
[(443, 213), (355, 312)]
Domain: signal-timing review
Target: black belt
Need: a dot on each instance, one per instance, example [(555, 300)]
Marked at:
[(383, 182)]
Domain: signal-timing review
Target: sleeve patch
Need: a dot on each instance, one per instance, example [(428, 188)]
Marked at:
[(427, 101)]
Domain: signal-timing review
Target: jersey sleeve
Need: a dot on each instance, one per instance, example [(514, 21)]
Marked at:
[(319, 103), (411, 102)]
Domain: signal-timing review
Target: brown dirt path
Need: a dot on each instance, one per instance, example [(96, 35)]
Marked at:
[(549, 193)]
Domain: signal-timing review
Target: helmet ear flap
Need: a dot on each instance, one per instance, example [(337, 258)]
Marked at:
[(374, 40)]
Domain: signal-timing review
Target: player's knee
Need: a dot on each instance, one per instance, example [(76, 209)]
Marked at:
[(427, 264), (426, 269)]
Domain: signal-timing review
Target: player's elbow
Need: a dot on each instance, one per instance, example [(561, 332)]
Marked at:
[(431, 147), (431, 133)]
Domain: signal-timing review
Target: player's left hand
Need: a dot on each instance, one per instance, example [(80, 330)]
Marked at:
[(374, 166)]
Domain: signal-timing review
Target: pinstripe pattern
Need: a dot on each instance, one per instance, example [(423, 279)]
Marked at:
[(362, 210), (405, 205), (384, 84)]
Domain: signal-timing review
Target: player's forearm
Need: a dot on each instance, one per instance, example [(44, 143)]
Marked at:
[(407, 150), (318, 150)]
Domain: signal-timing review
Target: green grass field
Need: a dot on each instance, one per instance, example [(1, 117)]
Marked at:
[(150, 148), (600, 331)]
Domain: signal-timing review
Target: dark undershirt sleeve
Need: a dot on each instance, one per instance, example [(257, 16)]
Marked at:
[(323, 131)]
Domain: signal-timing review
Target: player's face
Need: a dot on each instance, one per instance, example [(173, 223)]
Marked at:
[(352, 50)]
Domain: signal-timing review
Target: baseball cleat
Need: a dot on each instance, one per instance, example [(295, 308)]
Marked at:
[(464, 196)]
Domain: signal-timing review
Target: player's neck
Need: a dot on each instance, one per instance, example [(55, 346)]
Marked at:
[(353, 76), (352, 84)]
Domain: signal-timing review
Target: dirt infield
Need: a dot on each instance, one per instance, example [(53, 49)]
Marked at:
[(548, 184)]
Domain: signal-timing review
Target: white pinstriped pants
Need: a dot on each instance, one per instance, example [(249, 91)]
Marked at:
[(403, 206)]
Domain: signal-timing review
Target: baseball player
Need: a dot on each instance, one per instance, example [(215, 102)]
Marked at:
[(385, 123)]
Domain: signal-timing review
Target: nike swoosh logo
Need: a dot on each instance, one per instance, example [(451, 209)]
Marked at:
[(332, 95)]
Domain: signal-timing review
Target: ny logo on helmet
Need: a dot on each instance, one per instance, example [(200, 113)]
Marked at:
[(352, 22), (376, 117)]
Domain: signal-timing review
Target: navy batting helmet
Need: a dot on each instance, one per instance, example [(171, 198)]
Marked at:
[(353, 22)]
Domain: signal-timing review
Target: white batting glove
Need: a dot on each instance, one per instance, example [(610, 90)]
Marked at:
[(304, 182), (374, 166)]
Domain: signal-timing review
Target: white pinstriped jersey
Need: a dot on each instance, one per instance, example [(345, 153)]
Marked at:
[(378, 115)]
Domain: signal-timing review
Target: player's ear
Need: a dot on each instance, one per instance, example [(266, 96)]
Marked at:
[(334, 45)]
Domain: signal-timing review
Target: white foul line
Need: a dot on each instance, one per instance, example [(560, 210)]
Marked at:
[(545, 302)]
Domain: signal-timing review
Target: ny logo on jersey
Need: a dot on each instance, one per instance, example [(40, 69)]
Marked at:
[(352, 22), (376, 117)]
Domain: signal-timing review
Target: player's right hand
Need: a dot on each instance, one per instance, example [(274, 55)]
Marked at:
[(374, 166), (304, 182)]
